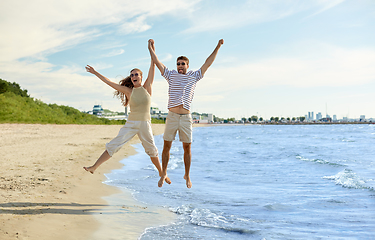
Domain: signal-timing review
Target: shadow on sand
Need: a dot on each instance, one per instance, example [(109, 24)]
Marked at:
[(29, 208)]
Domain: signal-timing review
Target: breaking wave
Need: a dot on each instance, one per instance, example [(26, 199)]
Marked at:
[(319, 161), (349, 179)]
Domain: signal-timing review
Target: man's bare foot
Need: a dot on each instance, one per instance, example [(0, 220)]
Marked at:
[(89, 169), (167, 180), (188, 182)]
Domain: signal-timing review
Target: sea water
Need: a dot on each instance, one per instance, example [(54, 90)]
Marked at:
[(263, 182)]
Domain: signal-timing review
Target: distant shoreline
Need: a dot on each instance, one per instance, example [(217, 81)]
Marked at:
[(299, 123)]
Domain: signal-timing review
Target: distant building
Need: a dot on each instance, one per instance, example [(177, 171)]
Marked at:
[(319, 116), (202, 118), (362, 118), (207, 119), (97, 110), (334, 118), (310, 116), (326, 119), (154, 110), (196, 117), (156, 113), (160, 115)]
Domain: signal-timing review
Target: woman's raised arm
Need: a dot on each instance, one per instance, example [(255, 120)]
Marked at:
[(151, 73), (127, 91)]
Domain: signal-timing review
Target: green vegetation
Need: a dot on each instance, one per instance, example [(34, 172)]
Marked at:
[(16, 106), (17, 109), (12, 87)]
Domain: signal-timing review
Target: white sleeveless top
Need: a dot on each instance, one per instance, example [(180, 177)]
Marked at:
[(139, 103)]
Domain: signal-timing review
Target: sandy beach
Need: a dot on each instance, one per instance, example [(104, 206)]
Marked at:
[(46, 194)]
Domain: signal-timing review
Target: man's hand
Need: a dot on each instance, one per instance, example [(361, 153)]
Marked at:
[(212, 57)]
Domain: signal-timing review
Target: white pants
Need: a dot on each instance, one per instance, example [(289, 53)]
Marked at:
[(128, 131)]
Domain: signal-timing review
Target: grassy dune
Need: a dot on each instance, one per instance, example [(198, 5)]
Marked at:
[(16, 106)]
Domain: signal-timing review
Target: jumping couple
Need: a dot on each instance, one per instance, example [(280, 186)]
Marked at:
[(181, 91)]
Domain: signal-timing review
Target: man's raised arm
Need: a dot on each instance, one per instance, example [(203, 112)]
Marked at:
[(154, 58), (212, 57)]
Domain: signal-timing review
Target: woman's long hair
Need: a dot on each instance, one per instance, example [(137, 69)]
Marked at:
[(127, 82)]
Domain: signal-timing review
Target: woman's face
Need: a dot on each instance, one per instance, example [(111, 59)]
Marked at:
[(136, 77)]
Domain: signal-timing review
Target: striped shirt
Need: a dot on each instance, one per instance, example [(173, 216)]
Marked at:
[(181, 87)]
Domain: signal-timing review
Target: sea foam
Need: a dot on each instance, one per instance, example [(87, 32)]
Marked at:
[(348, 179)]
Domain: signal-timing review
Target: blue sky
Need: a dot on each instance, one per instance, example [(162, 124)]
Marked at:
[(279, 58)]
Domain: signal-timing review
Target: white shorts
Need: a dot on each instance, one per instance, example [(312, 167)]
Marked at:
[(183, 123), (128, 131)]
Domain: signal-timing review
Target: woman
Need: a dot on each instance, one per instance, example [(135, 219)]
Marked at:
[(131, 92)]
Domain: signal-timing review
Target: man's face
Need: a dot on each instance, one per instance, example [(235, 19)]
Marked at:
[(182, 66)]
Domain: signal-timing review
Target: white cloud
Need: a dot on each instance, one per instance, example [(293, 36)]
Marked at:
[(100, 66), (113, 45), (114, 53), (68, 85), (326, 5), (160, 93), (34, 27), (136, 26), (166, 57), (225, 15), (333, 66)]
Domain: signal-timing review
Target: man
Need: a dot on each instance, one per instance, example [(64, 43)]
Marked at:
[(181, 92)]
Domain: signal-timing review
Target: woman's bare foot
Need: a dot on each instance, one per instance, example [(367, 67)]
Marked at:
[(188, 182), (89, 169), (162, 179)]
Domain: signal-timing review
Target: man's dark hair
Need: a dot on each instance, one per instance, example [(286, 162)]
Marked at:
[(183, 58)]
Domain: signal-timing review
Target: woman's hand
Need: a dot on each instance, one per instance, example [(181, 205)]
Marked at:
[(151, 44), (90, 69)]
